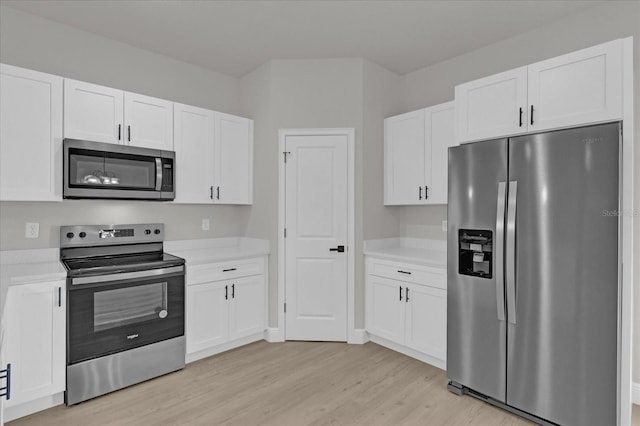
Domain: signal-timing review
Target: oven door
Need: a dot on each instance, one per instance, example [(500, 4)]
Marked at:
[(109, 314)]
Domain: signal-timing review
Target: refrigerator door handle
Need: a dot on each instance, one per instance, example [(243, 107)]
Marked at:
[(499, 254), (511, 251)]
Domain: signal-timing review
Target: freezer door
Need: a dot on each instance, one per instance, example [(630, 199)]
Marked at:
[(476, 325), (563, 297)]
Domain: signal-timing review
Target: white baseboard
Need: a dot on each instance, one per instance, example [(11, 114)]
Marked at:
[(21, 410), (442, 364), (635, 393), (194, 356), (273, 335), (358, 337)]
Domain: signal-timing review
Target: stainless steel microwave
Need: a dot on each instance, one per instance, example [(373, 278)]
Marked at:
[(111, 171)]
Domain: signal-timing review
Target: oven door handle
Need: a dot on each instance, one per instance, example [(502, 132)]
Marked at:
[(127, 275)]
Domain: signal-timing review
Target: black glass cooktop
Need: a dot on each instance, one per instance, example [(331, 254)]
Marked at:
[(120, 263)]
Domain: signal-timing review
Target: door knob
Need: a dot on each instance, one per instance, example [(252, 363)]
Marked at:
[(339, 249)]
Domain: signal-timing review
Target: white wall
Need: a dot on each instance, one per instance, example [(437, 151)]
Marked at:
[(32, 42), (435, 84)]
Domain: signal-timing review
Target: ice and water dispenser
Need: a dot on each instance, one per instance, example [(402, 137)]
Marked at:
[(475, 252)]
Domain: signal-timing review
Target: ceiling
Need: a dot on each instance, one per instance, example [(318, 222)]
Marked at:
[(234, 37)]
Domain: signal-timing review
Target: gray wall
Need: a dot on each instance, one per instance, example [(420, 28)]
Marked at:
[(43, 45), (435, 84), (283, 94)]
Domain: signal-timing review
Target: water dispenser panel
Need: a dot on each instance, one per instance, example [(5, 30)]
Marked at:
[(475, 253)]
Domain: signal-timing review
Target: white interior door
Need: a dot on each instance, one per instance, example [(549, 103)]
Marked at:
[(316, 202)]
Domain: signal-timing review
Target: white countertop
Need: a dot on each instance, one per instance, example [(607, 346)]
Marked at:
[(197, 252), (413, 250), (19, 267)]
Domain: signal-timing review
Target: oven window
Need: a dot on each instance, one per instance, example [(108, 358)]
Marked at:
[(129, 305), (113, 170)]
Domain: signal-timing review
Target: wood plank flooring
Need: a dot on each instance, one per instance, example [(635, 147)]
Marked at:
[(292, 383)]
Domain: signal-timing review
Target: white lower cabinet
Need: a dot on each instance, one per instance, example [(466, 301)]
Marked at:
[(34, 343), (207, 316), (225, 306), (406, 308)]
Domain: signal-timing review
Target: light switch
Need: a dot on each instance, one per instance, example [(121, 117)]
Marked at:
[(205, 224), (444, 225)]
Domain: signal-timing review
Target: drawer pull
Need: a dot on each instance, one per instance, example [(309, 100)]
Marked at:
[(229, 270), (404, 272)]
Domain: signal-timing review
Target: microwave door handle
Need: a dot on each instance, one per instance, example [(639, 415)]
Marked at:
[(158, 174)]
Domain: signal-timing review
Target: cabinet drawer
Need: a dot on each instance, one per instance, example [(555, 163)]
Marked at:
[(408, 272), (224, 270)]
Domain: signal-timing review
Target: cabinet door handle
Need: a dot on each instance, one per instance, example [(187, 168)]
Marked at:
[(5, 374), (119, 131), (211, 192), (233, 291), (426, 192), (401, 293), (59, 296), (226, 292), (531, 115), (406, 295), (520, 117), (217, 193), (419, 193), (129, 133)]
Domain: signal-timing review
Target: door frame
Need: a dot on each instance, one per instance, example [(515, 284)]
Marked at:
[(350, 134)]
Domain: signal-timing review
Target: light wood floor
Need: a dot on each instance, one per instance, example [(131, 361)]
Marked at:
[(292, 383)]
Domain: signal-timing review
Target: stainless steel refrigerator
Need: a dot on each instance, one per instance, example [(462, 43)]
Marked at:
[(532, 309)]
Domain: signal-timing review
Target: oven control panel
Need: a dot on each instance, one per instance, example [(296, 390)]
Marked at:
[(96, 235)]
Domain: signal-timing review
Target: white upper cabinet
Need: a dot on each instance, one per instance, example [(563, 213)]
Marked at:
[(193, 142), (233, 155), (92, 112), (214, 155), (30, 135), (149, 121), (415, 156), (404, 158), (578, 88), (439, 130), (102, 114), (492, 106)]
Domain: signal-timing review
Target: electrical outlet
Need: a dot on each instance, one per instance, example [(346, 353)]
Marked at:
[(31, 230), (444, 225), (205, 224)]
